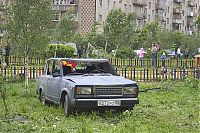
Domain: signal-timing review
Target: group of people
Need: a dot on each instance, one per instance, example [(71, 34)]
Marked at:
[(155, 48)]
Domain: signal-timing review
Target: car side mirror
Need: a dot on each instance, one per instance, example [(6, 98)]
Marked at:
[(56, 74)]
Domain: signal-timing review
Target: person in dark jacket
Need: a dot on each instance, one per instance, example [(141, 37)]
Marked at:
[(7, 54)]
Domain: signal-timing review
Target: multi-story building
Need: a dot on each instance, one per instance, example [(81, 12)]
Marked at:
[(178, 15)]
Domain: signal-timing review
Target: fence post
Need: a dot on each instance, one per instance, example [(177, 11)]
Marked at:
[(144, 74), (125, 72), (42, 70), (175, 74), (14, 71), (30, 72), (33, 72), (156, 73), (5, 72), (147, 74), (140, 74)]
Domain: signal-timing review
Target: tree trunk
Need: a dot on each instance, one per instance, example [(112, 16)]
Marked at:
[(106, 45), (26, 91)]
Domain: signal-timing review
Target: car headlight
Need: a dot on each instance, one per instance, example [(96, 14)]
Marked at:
[(130, 90), (83, 90)]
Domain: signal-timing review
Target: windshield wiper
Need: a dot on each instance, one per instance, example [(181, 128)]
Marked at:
[(105, 74), (88, 74)]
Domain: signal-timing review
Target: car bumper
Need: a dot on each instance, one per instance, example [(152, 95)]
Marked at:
[(93, 103)]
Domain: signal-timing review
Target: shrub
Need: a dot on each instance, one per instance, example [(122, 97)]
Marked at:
[(62, 51), (125, 53)]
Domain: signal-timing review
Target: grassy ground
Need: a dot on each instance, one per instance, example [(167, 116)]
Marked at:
[(174, 108)]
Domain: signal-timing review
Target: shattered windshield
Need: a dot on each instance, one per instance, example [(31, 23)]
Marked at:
[(86, 68)]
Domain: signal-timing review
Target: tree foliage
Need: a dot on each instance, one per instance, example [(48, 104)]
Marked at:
[(62, 51), (27, 23), (65, 29)]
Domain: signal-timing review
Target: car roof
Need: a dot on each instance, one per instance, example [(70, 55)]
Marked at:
[(79, 60)]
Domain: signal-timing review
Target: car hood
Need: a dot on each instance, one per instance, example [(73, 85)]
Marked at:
[(100, 80)]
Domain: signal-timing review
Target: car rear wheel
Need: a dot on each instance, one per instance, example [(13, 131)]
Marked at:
[(67, 106)]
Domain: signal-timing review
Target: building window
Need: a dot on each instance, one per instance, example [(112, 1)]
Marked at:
[(114, 4), (167, 20), (100, 3), (149, 5), (168, 9), (125, 7), (153, 14), (149, 17), (108, 4), (100, 18)]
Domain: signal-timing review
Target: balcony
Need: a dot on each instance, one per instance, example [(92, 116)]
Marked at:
[(190, 23), (191, 4), (177, 21), (191, 14), (140, 15), (160, 18), (159, 6), (178, 1), (139, 2), (66, 7), (177, 11)]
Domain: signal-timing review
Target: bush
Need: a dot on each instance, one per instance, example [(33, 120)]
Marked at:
[(125, 53), (191, 82), (62, 51)]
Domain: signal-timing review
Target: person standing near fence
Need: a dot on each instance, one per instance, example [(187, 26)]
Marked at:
[(163, 58), (187, 53), (141, 56), (179, 53), (154, 52), (7, 53)]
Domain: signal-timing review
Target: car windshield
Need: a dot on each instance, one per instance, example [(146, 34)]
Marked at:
[(87, 68)]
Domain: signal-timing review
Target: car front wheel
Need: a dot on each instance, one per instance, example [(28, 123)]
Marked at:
[(67, 107)]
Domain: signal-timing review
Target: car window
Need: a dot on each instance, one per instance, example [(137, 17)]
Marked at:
[(56, 67), (49, 68)]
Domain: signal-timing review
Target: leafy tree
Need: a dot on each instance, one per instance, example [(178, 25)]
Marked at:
[(26, 25), (120, 30), (62, 51), (130, 31), (65, 29), (114, 26), (149, 34), (198, 24)]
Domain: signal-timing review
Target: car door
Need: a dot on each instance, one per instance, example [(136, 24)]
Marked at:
[(55, 82), (48, 76)]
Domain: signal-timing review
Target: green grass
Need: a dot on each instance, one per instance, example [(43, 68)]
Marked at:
[(174, 108)]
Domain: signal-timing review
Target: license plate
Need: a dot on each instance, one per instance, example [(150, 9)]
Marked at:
[(109, 103)]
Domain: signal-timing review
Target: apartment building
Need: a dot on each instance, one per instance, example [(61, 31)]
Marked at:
[(173, 15)]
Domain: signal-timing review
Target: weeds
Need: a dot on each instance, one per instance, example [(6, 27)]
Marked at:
[(175, 109)]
